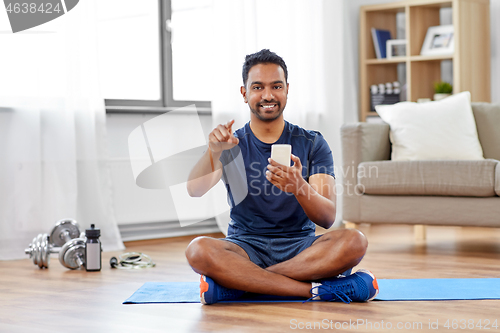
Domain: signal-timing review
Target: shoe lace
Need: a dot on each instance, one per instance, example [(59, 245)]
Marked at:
[(337, 291), (338, 295)]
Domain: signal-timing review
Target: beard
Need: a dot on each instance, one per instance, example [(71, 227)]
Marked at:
[(261, 115)]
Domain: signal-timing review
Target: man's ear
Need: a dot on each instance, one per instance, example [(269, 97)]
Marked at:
[(243, 92)]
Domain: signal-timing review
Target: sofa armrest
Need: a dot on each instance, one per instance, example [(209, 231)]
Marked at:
[(361, 142)]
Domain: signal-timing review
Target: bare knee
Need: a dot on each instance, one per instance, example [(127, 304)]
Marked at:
[(356, 244), (199, 253)]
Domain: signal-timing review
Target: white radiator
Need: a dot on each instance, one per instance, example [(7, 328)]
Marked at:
[(147, 214)]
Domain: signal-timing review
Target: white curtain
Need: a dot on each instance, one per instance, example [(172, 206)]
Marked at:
[(309, 36), (53, 160)]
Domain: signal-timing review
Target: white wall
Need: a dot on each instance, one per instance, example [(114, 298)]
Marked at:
[(133, 204)]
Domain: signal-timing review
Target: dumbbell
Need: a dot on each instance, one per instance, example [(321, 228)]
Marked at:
[(64, 231), (72, 254), (40, 250), (43, 245)]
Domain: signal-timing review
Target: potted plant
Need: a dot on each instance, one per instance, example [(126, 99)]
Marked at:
[(442, 90)]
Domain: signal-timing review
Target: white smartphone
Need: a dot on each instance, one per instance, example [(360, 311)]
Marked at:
[(281, 154)]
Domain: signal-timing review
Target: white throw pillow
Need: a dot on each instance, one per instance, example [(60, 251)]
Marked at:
[(442, 130)]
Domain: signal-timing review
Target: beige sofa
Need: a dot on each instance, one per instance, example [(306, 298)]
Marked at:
[(442, 192)]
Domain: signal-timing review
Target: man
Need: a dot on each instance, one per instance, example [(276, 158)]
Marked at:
[(271, 247)]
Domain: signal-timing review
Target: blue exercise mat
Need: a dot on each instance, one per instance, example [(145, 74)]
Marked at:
[(189, 292), (437, 289), (390, 290)]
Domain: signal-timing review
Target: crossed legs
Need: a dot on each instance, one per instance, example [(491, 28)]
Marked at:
[(229, 265)]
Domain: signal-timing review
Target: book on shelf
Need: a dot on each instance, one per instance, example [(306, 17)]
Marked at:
[(380, 38), (384, 94)]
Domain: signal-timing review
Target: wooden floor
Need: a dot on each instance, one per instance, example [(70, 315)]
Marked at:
[(60, 300)]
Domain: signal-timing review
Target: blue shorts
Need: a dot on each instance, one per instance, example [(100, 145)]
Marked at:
[(267, 251)]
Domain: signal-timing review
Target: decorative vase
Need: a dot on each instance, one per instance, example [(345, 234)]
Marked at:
[(438, 97)]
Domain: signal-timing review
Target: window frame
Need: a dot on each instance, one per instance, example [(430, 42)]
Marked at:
[(166, 102)]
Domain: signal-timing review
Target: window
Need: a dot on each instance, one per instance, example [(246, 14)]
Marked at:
[(155, 54)]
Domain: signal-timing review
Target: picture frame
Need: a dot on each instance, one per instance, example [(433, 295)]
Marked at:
[(439, 40), (396, 48)]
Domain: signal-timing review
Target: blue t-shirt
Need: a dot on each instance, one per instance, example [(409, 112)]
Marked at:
[(257, 206)]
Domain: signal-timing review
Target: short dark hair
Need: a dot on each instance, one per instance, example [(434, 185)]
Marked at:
[(262, 57)]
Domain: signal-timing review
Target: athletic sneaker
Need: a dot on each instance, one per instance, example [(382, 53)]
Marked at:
[(211, 292), (346, 273), (358, 287)]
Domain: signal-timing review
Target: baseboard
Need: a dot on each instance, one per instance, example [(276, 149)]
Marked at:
[(165, 229)]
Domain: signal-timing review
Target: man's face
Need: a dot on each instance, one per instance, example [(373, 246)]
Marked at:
[(266, 91)]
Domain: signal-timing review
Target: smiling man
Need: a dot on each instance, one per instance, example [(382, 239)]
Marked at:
[(271, 247)]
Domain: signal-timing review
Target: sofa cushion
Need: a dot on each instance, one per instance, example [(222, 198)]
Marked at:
[(488, 122), (442, 130), (445, 178)]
